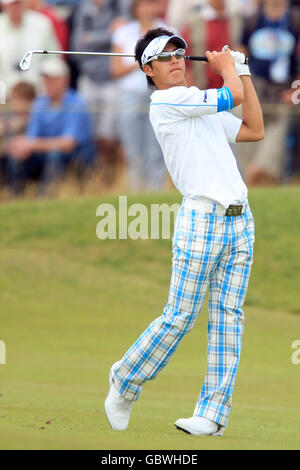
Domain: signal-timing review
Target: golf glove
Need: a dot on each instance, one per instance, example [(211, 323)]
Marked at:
[(239, 58)]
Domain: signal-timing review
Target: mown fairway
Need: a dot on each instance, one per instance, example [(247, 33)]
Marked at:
[(71, 305)]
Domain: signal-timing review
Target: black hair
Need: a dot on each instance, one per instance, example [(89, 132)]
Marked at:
[(144, 42)]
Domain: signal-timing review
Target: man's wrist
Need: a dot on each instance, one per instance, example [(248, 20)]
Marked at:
[(245, 77), (229, 70), (240, 63), (242, 70)]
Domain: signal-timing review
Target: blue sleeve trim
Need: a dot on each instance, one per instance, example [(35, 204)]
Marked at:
[(225, 99), (183, 105)]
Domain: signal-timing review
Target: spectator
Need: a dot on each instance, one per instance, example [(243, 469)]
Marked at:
[(93, 25), (180, 12), (20, 31), (58, 133), (292, 167), (270, 38), (146, 167), (64, 2), (14, 122), (59, 25), (162, 8), (210, 28), (243, 7)]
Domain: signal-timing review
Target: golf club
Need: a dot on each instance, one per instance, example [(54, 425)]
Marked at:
[(26, 60)]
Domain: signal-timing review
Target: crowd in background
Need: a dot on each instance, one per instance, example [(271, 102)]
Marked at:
[(89, 115)]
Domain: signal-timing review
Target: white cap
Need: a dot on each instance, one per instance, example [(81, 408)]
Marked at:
[(6, 2), (158, 44), (54, 67)]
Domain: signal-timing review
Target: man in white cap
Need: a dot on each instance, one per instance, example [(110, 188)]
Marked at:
[(59, 132), (22, 30), (214, 230)]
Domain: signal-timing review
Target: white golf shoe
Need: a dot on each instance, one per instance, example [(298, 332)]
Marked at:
[(199, 426), (117, 408)]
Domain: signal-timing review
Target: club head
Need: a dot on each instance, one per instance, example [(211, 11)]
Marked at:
[(26, 61)]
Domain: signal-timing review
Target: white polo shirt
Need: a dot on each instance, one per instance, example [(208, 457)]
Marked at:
[(194, 139)]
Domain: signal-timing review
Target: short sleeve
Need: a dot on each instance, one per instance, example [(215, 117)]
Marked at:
[(183, 102), (231, 125)]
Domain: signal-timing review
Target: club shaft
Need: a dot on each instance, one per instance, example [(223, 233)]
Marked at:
[(26, 61), (109, 54), (112, 54)]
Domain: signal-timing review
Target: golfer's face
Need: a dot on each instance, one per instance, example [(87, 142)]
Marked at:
[(168, 74)]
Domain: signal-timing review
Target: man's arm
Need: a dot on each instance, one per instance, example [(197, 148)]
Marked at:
[(118, 67), (184, 102), (222, 63), (63, 144), (21, 147), (252, 128)]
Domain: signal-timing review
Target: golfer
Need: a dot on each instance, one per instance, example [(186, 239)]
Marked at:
[(213, 237)]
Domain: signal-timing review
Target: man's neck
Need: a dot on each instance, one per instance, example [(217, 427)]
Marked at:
[(167, 87), (57, 100)]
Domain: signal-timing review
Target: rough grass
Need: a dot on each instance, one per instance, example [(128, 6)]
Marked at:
[(70, 305)]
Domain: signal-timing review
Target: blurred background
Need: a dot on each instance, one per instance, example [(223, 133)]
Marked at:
[(79, 125)]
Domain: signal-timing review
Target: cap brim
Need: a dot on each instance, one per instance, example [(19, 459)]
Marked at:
[(160, 44), (177, 41)]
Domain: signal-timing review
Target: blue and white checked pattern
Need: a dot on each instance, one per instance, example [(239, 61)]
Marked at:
[(214, 253)]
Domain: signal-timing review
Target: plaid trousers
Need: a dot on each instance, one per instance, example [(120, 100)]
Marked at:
[(211, 252)]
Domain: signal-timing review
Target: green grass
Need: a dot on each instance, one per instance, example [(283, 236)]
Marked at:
[(70, 305)]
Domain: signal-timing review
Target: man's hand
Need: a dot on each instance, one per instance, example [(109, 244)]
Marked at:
[(239, 62), (20, 147), (220, 62)]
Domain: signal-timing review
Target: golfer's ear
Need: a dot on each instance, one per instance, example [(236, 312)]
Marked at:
[(148, 70)]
